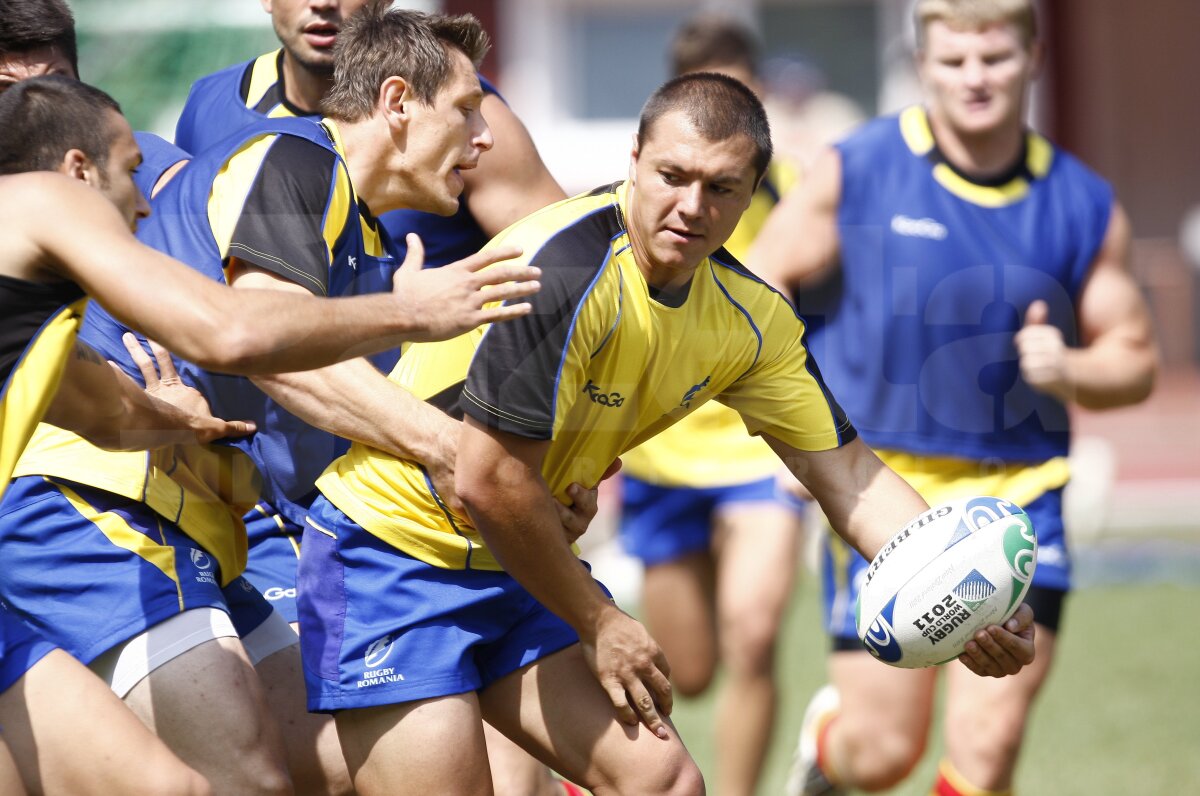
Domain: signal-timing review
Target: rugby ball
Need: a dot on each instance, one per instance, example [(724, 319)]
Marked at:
[(949, 572)]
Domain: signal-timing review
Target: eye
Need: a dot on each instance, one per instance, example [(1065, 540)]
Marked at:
[(952, 62), (669, 178), (720, 190)]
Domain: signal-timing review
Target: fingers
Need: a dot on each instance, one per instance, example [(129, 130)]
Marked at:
[(1037, 314), (505, 313), (145, 364), (1000, 651), (481, 260), (620, 703), (236, 428), (647, 711), (414, 257), (586, 502), (166, 366), (508, 290)]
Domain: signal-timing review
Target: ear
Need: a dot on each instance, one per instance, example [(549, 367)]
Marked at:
[(266, 5), (633, 157), (1037, 57), (76, 165), (395, 100)]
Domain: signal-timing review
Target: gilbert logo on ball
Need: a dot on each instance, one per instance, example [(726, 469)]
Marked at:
[(949, 572)]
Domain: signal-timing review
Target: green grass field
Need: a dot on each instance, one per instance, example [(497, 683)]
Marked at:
[(1120, 714)]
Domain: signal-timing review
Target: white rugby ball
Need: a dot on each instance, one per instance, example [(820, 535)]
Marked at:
[(949, 572)]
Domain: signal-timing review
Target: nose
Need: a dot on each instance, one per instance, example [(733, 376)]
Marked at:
[(690, 200), (973, 72), (481, 133), (141, 208)]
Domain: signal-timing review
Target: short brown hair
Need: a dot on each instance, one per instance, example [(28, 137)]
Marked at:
[(719, 107), (713, 40), (43, 118), (377, 43), (976, 14), (32, 24)]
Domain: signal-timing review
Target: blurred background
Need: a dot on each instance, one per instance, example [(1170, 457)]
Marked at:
[(1119, 90)]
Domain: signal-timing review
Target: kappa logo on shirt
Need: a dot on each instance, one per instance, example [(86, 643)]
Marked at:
[(693, 391), (611, 399), (919, 228), (352, 261)]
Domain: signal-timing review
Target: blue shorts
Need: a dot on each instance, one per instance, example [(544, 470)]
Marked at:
[(843, 569), (665, 523), (20, 648), (378, 627), (90, 569), (274, 554)]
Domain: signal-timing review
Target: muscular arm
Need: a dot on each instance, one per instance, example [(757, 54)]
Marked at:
[(110, 410), (866, 503), (511, 180), (500, 482), (798, 245), (1118, 360), (205, 322), (356, 402)]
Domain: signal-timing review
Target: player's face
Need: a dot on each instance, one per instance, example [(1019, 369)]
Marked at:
[(308, 28), (16, 67), (686, 194), (116, 178), (445, 137), (976, 81)]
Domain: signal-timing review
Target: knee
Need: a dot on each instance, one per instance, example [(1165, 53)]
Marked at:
[(692, 677), (175, 779), (748, 646), (673, 773), (885, 759)]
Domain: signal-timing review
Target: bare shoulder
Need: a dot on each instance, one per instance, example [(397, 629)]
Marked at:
[(44, 213)]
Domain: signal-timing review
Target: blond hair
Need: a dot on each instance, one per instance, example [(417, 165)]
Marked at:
[(973, 14)]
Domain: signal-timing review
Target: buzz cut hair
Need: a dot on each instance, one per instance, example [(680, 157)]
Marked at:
[(718, 106), (378, 42), (713, 40), (27, 25), (974, 14), (43, 118)]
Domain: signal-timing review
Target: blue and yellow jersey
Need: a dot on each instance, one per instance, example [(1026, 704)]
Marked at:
[(603, 362), (937, 272), (225, 102), (279, 198), (158, 155), (41, 321), (710, 447)]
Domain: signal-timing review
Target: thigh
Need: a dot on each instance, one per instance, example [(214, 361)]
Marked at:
[(881, 701), (757, 554), (209, 706), (677, 602), (556, 710), (72, 735), (433, 746), (10, 777)]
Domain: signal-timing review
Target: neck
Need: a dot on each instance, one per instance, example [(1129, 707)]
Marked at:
[(982, 155), (368, 167), (303, 88)]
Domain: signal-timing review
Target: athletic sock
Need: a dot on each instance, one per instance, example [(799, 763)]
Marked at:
[(952, 783), (823, 750)]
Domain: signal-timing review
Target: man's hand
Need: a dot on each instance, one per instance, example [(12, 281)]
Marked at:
[(1043, 353), (163, 384), (584, 504), (631, 669), (1000, 651), (449, 301)]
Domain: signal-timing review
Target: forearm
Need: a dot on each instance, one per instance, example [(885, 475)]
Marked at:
[(112, 411), (1110, 373), (511, 506), (355, 401), (865, 501)]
